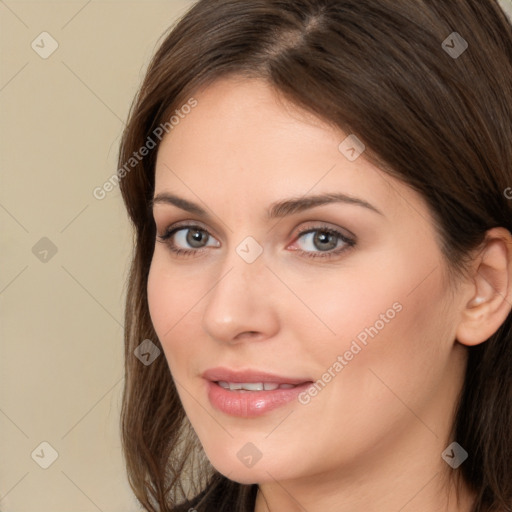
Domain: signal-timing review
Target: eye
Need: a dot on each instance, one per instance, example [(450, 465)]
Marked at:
[(314, 242), (186, 240), (322, 242)]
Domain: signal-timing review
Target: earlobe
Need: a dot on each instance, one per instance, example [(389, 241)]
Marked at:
[(491, 299)]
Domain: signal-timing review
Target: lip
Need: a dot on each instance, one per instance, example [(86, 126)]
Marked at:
[(227, 375), (250, 404)]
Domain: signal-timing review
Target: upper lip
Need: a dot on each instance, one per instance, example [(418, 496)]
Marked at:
[(227, 375)]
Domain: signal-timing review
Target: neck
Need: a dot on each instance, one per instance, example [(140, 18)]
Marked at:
[(286, 498), (420, 480)]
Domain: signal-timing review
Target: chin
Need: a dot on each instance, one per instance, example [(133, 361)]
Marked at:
[(236, 470), (245, 476)]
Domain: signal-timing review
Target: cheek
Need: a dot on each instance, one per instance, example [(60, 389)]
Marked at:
[(171, 301), (161, 299), (385, 302), (391, 326), (404, 290)]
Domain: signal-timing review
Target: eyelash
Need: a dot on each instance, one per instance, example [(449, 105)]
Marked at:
[(349, 242)]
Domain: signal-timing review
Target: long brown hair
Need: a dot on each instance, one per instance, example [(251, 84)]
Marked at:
[(441, 122)]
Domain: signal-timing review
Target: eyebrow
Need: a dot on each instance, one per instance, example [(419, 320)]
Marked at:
[(277, 210)]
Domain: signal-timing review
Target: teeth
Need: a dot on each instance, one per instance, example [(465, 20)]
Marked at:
[(253, 386)]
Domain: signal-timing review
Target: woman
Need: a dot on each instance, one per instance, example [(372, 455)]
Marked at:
[(321, 291)]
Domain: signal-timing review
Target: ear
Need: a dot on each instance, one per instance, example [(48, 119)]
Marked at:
[(490, 296)]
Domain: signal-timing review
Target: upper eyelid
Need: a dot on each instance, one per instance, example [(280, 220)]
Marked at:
[(314, 227), (184, 225), (326, 227)]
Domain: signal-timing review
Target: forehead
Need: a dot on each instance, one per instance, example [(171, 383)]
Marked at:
[(240, 114), (243, 140)]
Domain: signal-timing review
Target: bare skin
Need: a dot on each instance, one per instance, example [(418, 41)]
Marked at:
[(371, 439)]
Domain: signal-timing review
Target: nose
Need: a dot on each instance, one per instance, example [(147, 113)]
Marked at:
[(242, 304)]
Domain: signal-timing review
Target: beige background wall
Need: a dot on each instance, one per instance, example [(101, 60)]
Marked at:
[(64, 254), (61, 319)]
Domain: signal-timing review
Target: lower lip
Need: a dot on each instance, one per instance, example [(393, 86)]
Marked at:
[(250, 404)]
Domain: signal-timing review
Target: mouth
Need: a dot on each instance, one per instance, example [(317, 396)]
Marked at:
[(251, 393), (249, 377), (253, 386)]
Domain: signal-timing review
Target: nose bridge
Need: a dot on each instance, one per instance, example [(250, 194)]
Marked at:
[(243, 268), (239, 300)]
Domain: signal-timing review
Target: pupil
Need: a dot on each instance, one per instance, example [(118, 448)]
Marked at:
[(324, 241)]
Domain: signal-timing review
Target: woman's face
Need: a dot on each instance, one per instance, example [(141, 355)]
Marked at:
[(347, 299)]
